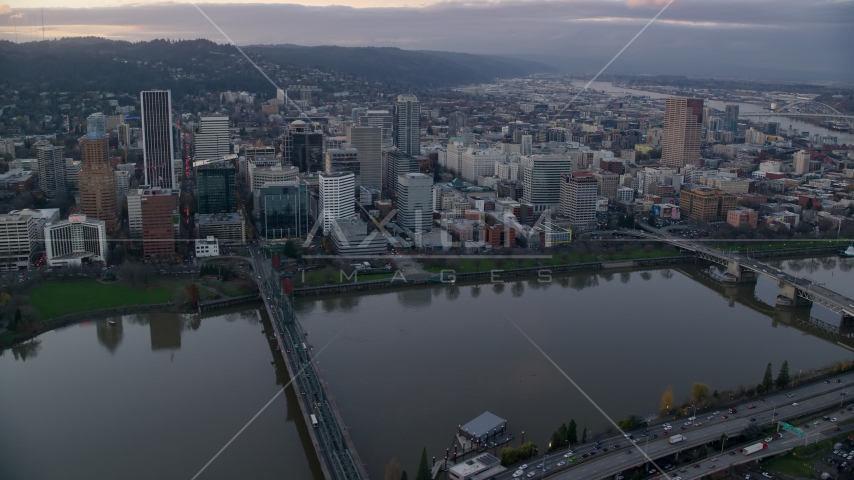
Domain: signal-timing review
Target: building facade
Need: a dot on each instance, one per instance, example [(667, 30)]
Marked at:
[(415, 201), (683, 127), (17, 241), (283, 211), (97, 179), (344, 160), (77, 240), (368, 142), (51, 170), (157, 142), (578, 192), (337, 198), (216, 188), (211, 139), (541, 180), (706, 204), (407, 124)]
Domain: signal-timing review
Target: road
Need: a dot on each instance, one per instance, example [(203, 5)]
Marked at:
[(602, 465)]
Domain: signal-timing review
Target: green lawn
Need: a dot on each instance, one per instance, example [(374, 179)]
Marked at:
[(54, 299), (466, 265), (315, 278), (796, 467)]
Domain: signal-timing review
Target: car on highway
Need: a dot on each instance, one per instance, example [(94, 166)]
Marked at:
[(518, 473), (795, 404), (567, 454), (561, 463), (523, 466), (751, 406), (539, 465), (531, 474)]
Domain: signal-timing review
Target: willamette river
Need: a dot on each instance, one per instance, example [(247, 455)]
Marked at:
[(158, 396)]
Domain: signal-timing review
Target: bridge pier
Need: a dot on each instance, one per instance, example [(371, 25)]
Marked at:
[(789, 297), (735, 273), (846, 320)]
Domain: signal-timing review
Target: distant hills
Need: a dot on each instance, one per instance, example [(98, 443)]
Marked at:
[(92, 63)]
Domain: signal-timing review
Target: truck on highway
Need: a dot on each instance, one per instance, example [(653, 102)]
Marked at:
[(754, 448), (677, 438)]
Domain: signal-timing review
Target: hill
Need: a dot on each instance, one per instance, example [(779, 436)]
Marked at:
[(191, 66)]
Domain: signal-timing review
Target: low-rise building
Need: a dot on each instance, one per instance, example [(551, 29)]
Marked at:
[(227, 228), (742, 217), (706, 204), (207, 247), (17, 241), (351, 237), (77, 240)]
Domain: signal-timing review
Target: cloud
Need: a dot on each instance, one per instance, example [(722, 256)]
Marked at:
[(805, 39), (645, 3), (4, 9)]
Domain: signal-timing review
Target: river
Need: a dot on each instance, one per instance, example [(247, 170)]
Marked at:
[(785, 122), (156, 396)]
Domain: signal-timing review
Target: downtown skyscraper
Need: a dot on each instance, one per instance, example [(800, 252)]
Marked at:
[(157, 144), (683, 127), (98, 198), (407, 124)]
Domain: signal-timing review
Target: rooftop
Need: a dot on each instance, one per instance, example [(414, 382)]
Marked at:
[(485, 423)]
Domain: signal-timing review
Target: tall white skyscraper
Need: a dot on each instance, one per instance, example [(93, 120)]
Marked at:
[(337, 197), (157, 144), (407, 124), (415, 201), (212, 139), (541, 179), (51, 170), (368, 141)]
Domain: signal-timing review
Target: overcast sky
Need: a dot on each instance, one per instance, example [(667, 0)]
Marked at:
[(768, 39)]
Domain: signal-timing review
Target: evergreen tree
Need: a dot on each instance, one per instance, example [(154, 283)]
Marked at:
[(767, 380), (703, 451), (403, 476), (584, 435), (572, 432), (423, 469), (783, 377)]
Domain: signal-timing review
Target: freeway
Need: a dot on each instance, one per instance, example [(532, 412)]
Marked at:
[(621, 455), (733, 456)]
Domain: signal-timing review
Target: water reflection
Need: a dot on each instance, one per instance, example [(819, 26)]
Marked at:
[(475, 291), (27, 350), (414, 297), (625, 277), (517, 289), (110, 332)]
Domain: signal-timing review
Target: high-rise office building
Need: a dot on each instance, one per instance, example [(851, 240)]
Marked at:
[(456, 121), (284, 210), (407, 124), (307, 151), (158, 210), (731, 118), (51, 170), (18, 239), (355, 113), (97, 179), (211, 140), (344, 160), (396, 163), (337, 197), (541, 176), (216, 189), (381, 119), (801, 162), (683, 127), (415, 201), (157, 142), (578, 199), (368, 142)]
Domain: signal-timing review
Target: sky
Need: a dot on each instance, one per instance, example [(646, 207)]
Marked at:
[(810, 40)]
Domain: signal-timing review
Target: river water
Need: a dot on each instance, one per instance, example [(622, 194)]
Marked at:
[(156, 396), (785, 122)]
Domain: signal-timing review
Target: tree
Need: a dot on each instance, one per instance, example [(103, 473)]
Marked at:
[(403, 476), (193, 299), (703, 451), (637, 475), (392, 470), (584, 435), (666, 400), (783, 377), (630, 423), (572, 432), (751, 432), (767, 380), (699, 392), (290, 249), (423, 469), (723, 440)]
